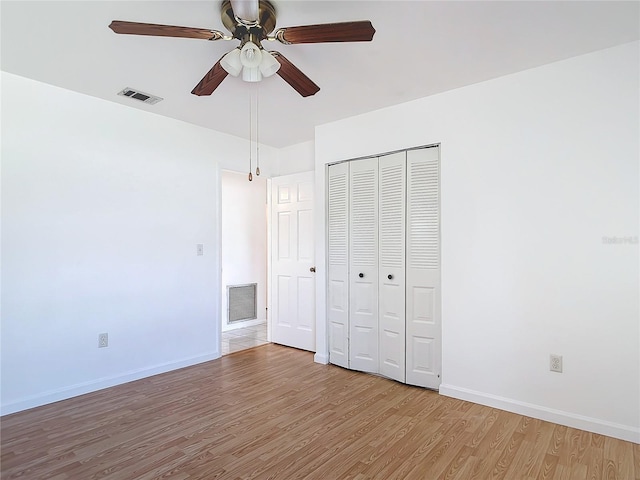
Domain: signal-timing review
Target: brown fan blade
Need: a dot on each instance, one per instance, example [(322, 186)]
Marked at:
[(211, 80), (329, 32), (135, 28), (294, 77)]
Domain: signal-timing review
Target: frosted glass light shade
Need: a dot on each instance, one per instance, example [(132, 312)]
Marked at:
[(231, 62), (268, 65), (251, 74), (250, 55)]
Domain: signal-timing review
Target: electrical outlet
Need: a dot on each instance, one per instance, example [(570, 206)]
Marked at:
[(555, 363), (199, 249), (103, 340)]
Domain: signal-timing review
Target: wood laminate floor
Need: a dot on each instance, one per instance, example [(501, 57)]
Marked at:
[(271, 413)]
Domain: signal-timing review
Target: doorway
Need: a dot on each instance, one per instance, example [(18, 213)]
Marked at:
[(244, 256)]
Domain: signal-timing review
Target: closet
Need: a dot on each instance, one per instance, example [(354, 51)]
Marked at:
[(384, 265)]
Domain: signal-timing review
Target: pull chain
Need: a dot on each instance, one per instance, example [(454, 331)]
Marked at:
[(257, 131), (250, 174)]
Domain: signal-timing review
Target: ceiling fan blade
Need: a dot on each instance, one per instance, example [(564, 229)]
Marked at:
[(211, 80), (294, 77), (329, 32), (135, 28)]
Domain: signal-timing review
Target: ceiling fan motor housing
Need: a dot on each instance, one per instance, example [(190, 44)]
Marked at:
[(265, 24)]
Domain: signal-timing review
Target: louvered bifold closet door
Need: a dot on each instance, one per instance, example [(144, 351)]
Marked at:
[(423, 268), (363, 268), (338, 264), (391, 270)]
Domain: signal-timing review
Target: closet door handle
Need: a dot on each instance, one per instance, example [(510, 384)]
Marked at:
[(390, 277), (361, 275)]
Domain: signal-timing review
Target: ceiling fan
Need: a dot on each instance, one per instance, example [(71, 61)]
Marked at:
[(251, 22)]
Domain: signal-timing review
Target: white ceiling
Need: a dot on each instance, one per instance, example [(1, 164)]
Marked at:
[(420, 48)]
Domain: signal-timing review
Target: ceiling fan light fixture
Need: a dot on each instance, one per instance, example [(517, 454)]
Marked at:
[(251, 74), (250, 55), (268, 65), (231, 62)]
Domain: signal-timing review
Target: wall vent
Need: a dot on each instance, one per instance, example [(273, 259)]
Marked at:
[(140, 96), (241, 301)]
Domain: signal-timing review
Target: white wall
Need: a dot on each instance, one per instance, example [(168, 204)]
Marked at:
[(244, 240), (102, 208), (296, 158), (537, 168)]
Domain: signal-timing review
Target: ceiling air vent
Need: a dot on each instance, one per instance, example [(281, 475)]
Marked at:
[(141, 96)]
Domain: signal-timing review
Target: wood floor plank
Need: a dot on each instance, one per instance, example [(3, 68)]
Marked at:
[(548, 467), (490, 449), (533, 451), (619, 462), (272, 413), (595, 458)]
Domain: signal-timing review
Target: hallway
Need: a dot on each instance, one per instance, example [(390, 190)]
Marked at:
[(243, 338)]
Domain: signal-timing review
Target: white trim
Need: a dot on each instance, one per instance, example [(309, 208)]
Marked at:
[(595, 425), (269, 201), (322, 263), (218, 271), (321, 358), (102, 383), (229, 327)]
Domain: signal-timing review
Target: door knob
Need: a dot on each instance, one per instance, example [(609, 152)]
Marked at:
[(361, 275), (390, 277), (312, 269)]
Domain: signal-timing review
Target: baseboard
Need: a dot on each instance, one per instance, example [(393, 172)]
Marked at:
[(623, 432), (227, 327), (321, 358), (102, 383)]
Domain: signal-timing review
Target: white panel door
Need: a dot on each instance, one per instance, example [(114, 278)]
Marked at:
[(391, 274), (338, 264), (292, 254), (363, 269), (423, 268)]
